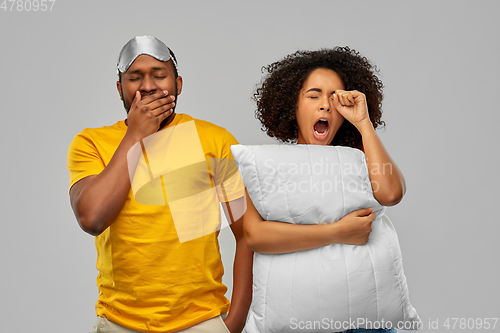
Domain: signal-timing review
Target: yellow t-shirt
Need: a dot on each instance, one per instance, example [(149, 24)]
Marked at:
[(149, 280)]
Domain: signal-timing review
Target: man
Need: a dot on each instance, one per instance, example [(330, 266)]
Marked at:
[(150, 278)]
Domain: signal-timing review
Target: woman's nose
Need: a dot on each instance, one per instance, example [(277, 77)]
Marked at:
[(325, 104)]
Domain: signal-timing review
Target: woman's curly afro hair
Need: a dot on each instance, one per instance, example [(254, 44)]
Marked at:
[(278, 93)]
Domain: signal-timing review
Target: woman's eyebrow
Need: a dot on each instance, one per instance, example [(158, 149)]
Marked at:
[(319, 90)]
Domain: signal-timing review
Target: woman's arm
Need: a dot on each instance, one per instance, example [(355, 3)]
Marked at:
[(277, 237), (242, 269), (387, 180)]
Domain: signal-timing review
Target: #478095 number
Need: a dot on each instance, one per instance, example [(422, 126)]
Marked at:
[(27, 5)]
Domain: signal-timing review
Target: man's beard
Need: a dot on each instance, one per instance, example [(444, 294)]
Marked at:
[(165, 121)]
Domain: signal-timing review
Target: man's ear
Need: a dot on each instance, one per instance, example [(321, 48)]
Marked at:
[(179, 84), (119, 87)]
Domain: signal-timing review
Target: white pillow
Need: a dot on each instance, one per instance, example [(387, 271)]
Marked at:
[(332, 288)]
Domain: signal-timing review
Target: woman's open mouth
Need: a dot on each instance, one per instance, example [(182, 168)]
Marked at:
[(321, 129)]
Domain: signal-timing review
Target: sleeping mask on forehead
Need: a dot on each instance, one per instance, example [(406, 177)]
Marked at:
[(149, 45)]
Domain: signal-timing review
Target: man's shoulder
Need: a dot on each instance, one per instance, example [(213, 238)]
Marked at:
[(201, 122), (104, 131), (205, 126), (211, 132)]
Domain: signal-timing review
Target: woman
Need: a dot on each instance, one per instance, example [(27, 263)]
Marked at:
[(325, 97)]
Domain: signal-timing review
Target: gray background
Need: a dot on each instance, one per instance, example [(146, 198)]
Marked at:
[(438, 61)]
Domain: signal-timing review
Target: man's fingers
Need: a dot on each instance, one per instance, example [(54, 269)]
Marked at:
[(160, 105), (163, 108), (156, 103), (137, 99), (167, 113), (156, 96)]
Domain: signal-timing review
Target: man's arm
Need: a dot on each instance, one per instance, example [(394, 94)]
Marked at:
[(96, 200), (242, 270)]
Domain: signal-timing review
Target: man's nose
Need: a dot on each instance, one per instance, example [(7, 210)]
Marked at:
[(148, 84)]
